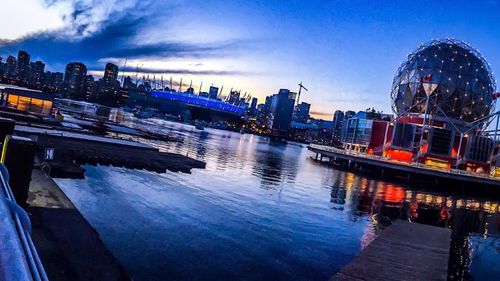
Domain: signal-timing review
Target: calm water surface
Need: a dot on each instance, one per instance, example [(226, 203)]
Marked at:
[(264, 211)]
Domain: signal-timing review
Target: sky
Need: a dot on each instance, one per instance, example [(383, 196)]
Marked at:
[(345, 52)]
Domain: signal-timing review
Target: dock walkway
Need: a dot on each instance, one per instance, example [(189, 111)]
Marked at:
[(403, 251), (410, 168)]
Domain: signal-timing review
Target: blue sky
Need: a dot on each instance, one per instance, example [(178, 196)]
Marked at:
[(345, 52)]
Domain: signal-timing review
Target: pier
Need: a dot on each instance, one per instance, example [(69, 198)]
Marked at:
[(403, 251), (409, 170), (62, 152)]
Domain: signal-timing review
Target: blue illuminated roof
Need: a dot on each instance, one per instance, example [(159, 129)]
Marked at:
[(198, 101)]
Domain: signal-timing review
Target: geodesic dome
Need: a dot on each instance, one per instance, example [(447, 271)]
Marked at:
[(455, 76)]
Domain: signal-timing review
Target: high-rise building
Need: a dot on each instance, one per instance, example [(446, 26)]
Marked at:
[(89, 88), (110, 75), (338, 118), (54, 81), (280, 111), (253, 107), (37, 76), (23, 66), (302, 112), (108, 86), (10, 67), (74, 78), (213, 92)]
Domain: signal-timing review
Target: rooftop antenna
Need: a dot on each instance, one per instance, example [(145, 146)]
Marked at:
[(300, 90), (180, 86), (123, 71), (171, 87), (162, 88), (201, 85), (191, 84), (154, 81)]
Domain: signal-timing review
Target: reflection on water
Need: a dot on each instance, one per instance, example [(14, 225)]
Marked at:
[(265, 211)]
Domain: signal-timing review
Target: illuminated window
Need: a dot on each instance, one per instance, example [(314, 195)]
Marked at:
[(23, 103), (12, 101)]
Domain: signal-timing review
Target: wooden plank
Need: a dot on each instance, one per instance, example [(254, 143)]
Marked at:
[(403, 251)]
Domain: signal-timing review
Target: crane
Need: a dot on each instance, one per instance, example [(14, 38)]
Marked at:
[(300, 90)]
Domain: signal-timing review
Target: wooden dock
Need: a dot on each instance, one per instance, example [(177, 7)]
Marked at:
[(69, 150), (403, 251)]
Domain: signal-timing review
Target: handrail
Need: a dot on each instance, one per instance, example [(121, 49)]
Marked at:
[(413, 164), (25, 264)]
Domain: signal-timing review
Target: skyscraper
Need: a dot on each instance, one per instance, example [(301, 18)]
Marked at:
[(338, 118), (89, 88), (54, 81), (110, 75), (253, 107), (280, 111), (10, 67), (23, 66), (74, 78), (107, 86), (37, 76)]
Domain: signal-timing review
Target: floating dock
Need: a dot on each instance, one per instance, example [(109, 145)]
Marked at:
[(63, 152), (385, 166), (403, 251)]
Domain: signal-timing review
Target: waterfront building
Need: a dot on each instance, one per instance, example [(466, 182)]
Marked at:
[(443, 96), (23, 66), (27, 100), (74, 79), (213, 92)]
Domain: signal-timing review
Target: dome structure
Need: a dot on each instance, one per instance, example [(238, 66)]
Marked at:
[(455, 77)]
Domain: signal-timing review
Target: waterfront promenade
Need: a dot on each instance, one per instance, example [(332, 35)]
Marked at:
[(410, 169), (403, 251)]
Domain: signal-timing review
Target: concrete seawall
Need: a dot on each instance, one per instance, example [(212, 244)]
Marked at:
[(70, 249)]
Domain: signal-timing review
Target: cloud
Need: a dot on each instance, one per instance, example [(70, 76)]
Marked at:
[(146, 70), (320, 114), (111, 29)]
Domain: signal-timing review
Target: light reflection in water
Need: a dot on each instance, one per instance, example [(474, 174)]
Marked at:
[(264, 211)]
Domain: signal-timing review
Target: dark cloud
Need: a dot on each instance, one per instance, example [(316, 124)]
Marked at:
[(115, 38), (320, 113), (181, 71)]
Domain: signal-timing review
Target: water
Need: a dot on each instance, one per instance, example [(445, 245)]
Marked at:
[(264, 211)]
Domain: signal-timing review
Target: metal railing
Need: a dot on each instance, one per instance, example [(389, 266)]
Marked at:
[(19, 259), (412, 164)]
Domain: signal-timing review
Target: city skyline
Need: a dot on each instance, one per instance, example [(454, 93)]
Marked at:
[(257, 47)]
